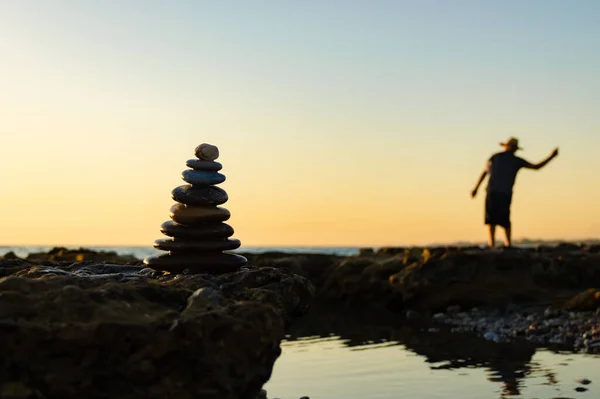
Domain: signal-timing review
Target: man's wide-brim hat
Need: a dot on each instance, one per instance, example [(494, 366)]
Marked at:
[(512, 142)]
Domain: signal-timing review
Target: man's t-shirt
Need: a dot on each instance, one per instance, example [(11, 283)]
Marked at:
[(503, 171)]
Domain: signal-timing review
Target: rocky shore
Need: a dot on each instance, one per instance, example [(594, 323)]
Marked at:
[(101, 330), (93, 324)]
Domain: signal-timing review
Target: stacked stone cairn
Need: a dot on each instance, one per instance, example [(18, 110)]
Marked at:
[(197, 229)]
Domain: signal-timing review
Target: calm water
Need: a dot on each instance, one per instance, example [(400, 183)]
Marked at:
[(374, 356)]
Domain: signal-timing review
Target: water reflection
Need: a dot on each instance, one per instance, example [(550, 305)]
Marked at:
[(506, 364)]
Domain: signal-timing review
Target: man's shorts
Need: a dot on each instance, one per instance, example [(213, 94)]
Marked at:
[(497, 208)]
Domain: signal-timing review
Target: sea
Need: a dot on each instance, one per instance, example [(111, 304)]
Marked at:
[(355, 354), (142, 252)]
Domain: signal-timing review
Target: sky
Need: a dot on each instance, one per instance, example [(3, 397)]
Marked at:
[(339, 122)]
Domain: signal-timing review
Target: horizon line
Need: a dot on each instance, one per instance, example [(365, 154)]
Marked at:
[(516, 241)]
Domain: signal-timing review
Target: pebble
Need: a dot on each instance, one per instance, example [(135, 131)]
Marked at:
[(412, 314), (439, 316), (490, 336), (584, 381), (578, 331), (581, 389)]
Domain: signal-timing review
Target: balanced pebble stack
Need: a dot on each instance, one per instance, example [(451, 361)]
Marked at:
[(197, 229)]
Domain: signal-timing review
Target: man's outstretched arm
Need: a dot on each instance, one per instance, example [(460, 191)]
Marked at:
[(480, 180), (543, 163)]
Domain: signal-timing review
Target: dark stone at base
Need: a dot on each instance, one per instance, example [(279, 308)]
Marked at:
[(209, 263), (214, 230), (202, 177), (193, 215), (178, 245), (198, 164), (199, 195)]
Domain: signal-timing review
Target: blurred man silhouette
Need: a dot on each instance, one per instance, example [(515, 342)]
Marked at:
[(502, 168)]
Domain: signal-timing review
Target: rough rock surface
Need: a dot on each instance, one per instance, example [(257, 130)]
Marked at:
[(495, 278), (433, 279), (94, 330), (60, 254)]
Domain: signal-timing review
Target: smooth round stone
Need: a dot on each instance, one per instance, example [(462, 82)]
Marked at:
[(206, 152), (187, 214), (202, 177), (199, 164), (179, 245), (214, 230), (207, 263), (199, 195)]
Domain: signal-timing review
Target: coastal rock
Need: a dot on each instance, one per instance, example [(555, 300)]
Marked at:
[(179, 245), (361, 279), (198, 164), (145, 337), (315, 267), (199, 195), (467, 280), (198, 263), (61, 254), (193, 215), (588, 300), (202, 177), (205, 231), (206, 152)]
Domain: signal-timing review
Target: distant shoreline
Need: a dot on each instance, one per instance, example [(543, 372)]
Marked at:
[(521, 241), (143, 251)]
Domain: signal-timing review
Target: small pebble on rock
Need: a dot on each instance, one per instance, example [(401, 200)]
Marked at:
[(439, 316), (412, 314), (490, 336)]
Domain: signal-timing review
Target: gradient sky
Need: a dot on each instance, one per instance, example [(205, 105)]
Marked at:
[(339, 122)]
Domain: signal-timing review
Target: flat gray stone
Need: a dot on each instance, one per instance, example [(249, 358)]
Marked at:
[(202, 177)]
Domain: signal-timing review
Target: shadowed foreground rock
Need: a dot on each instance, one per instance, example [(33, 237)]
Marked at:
[(111, 331)]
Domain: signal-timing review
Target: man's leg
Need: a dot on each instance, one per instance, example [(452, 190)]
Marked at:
[(492, 235), (507, 235)]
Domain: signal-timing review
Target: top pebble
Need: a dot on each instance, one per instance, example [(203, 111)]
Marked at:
[(207, 152)]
